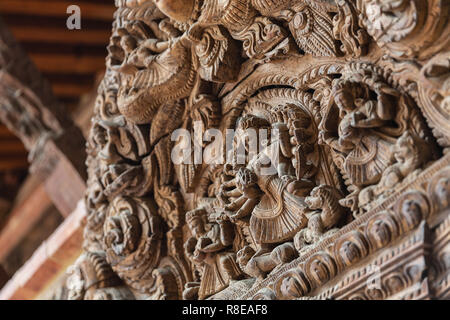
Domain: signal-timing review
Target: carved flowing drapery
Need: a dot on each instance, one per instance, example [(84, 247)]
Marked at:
[(357, 91)]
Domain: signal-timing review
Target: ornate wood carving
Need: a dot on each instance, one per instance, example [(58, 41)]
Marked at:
[(348, 102)]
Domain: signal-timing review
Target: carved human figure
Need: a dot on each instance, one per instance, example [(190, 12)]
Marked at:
[(358, 113), (443, 191), (207, 249), (91, 278)]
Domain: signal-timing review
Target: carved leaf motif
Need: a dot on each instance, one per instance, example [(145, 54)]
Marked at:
[(313, 32), (217, 53), (167, 119), (346, 29), (263, 39)]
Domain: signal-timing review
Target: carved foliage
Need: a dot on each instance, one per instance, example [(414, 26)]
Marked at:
[(338, 132)]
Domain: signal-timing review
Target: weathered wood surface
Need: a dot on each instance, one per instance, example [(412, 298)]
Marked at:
[(354, 95)]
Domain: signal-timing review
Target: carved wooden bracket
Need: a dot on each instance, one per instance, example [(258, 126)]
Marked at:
[(354, 96)]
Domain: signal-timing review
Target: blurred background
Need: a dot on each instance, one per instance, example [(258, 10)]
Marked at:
[(33, 238)]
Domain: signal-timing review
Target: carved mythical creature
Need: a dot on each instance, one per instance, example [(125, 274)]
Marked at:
[(155, 71), (329, 213), (239, 17), (409, 154)]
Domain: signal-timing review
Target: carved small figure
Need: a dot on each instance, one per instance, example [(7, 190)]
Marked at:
[(207, 250), (258, 266), (329, 213)]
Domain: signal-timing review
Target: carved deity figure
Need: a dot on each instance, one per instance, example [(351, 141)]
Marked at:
[(268, 190), (362, 124), (358, 114), (266, 195)]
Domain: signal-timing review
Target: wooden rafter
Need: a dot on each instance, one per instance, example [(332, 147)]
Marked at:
[(22, 219), (68, 63), (49, 260), (60, 35), (56, 8)]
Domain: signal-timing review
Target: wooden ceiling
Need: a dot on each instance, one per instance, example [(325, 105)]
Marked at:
[(69, 59)]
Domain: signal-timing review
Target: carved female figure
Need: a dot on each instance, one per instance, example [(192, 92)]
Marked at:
[(365, 133), (362, 122)]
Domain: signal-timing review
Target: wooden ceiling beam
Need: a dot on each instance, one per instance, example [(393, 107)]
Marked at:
[(65, 48), (60, 35), (13, 163), (70, 89), (12, 147), (5, 132), (22, 218), (56, 63), (56, 8), (50, 260), (64, 170)]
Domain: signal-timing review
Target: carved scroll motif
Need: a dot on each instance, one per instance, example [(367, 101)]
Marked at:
[(347, 103)]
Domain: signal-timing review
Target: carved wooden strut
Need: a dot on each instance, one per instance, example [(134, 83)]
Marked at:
[(357, 94)]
